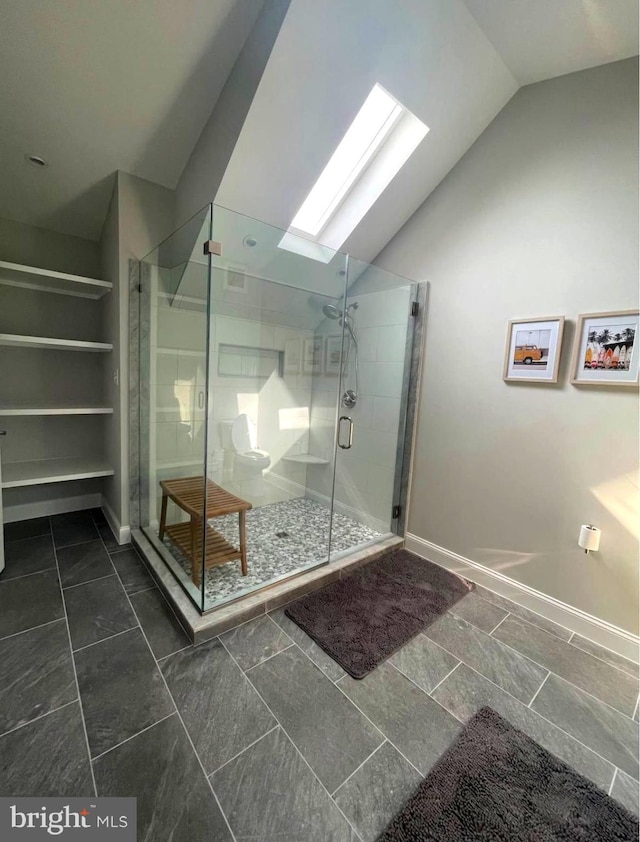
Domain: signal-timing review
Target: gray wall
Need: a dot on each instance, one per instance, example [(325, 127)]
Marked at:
[(21, 243), (140, 216), (539, 218), (203, 173)]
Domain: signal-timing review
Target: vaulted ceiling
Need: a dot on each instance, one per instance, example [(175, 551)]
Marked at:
[(96, 87)]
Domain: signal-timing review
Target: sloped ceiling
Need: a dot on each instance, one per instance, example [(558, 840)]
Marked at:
[(98, 86), (546, 38), (434, 57)]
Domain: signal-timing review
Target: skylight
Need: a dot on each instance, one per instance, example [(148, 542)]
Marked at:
[(378, 142)]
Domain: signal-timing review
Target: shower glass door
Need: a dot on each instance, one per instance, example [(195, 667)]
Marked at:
[(271, 408), (374, 364), (273, 393)]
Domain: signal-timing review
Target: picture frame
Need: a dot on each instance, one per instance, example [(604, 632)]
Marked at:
[(333, 355), (532, 353), (292, 358), (312, 355), (605, 351)]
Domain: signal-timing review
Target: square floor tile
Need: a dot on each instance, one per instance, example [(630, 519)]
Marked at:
[(222, 711), (97, 610), (47, 758), (36, 674), (73, 528), (29, 555), (269, 792), (121, 689), (27, 529), (159, 623), (29, 601), (83, 563), (160, 769)]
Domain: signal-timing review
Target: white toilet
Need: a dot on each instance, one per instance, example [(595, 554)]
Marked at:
[(248, 461)]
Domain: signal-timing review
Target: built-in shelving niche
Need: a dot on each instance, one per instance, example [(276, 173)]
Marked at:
[(52, 376)]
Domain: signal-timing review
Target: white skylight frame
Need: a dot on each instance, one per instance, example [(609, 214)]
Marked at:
[(379, 141)]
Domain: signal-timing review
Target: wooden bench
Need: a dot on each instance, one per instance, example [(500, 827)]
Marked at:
[(188, 494)]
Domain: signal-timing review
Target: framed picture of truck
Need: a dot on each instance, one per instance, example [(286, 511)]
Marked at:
[(606, 351), (533, 348)]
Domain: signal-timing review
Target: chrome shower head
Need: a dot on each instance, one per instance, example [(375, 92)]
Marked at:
[(332, 312)]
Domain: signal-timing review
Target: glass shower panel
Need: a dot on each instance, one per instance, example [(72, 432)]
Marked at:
[(374, 366), (173, 335), (271, 433)]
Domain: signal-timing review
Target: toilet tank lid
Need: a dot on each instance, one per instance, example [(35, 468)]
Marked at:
[(243, 434)]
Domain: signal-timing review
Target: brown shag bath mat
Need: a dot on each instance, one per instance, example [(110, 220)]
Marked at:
[(495, 783), (364, 618)]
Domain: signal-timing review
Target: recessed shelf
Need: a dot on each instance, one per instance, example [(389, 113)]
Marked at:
[(47, 280), (55, 410), (180, 463), (19, 341), (43, 471), (306, 459)]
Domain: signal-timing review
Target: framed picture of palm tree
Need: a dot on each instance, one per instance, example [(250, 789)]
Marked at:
[(533, 349), (606, 349)]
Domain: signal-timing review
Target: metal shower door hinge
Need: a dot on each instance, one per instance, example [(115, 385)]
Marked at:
[(414, 308), (396, 511), (212, 247)]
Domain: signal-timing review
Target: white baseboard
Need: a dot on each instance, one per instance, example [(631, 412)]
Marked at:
[(122, 533), (599, 631), (44, 508)]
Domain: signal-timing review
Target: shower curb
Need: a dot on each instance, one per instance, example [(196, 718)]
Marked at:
[(202, 627)]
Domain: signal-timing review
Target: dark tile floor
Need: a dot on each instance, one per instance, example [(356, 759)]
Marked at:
[(258, 734)]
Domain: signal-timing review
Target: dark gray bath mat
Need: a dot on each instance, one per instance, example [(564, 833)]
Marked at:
[(364, 618), (497, 785)]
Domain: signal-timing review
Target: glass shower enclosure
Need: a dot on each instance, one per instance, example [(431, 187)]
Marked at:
[(274, 375)]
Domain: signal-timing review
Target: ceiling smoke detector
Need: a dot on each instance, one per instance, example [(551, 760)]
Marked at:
[(35, 160)]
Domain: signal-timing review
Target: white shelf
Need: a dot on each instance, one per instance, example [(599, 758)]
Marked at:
[(306, 459), (19, 341), (47, 280), (55, 410), (42, 471)]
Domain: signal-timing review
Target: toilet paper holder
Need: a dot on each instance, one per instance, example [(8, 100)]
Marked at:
[(589, 538)]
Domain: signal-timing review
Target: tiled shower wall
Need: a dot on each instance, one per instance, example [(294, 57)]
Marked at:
[(365, 473), (278, 405)]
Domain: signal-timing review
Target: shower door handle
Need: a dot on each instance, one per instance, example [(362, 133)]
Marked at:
[(350, 440)]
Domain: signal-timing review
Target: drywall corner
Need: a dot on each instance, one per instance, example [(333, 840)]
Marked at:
[(140, 216), (205, 169)]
